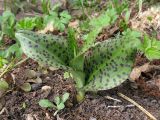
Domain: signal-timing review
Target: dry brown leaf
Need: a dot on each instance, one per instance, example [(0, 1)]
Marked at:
[(147, 20), (136, 72)]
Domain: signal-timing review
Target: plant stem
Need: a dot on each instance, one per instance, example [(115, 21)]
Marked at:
[(80, 95), (79, 78)]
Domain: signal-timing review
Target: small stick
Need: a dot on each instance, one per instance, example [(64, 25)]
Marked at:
[(7, 68), (11, 65), (3, 110), (20, 62), (111, 98), (137, 105), (114, 106)]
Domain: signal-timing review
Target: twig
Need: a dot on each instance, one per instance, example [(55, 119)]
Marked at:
[(111, 98), (20, 62), (4, 110), (11, 65), (7, 68), (119, 106), (137, 105)]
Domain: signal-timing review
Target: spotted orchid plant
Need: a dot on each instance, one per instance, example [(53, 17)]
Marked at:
[(94, 66)]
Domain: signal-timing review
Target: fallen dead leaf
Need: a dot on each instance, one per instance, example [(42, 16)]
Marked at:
[(136, 72)]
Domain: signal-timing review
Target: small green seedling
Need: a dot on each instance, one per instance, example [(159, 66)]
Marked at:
[(59, 101), (59, 21), (29, 23), (7, 24), (67, 75), (151, 48), (24, 106), (45, 103)]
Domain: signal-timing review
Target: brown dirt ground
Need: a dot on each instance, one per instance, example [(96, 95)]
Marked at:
[(94, 107)]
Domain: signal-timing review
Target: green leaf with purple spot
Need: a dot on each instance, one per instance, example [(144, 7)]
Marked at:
[(110, 62), (47, 49)]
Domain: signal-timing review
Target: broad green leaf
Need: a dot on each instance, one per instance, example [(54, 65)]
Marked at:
[(152, 53), (45, 103), (79, 78), (110, 62), (78, 63), (65, 97), (47, 49), (3, 85), (14, 50), (98, 24)]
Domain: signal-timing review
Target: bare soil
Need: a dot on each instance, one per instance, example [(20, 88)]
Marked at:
[(95, 106)]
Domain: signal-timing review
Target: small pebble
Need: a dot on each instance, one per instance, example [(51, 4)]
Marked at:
[(36, 86), (46, 88)]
